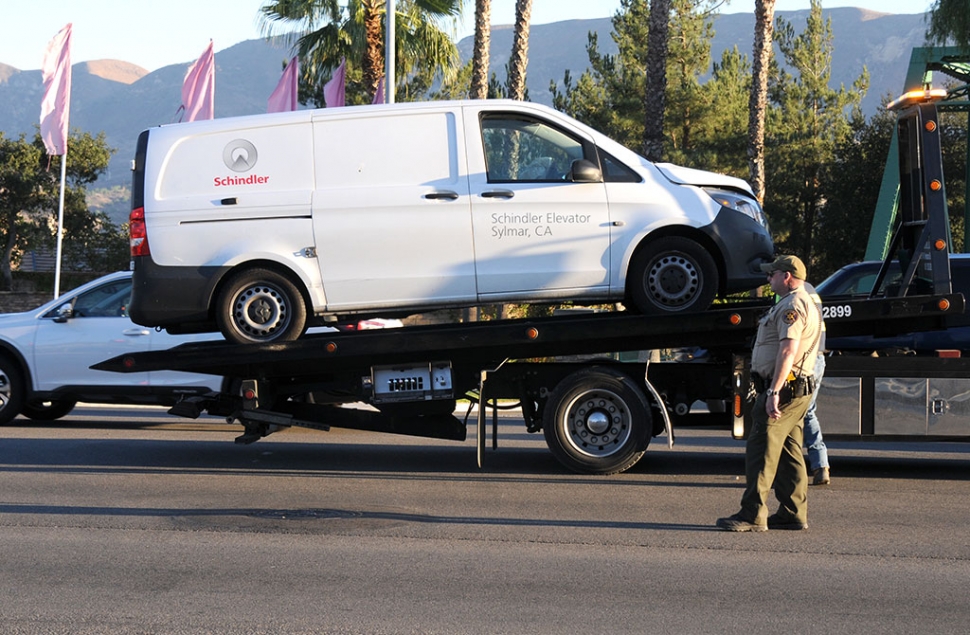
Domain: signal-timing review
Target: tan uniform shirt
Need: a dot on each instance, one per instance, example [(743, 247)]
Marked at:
[(795, 317)]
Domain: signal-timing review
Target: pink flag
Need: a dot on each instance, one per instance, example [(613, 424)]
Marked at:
[(199, 88), (334, 90), (379, 95), (55, 108), (284, 97)]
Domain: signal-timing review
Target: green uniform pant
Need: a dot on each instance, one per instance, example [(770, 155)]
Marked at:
[(773, 456)]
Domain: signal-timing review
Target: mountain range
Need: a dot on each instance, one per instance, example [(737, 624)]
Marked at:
[(122, 99)]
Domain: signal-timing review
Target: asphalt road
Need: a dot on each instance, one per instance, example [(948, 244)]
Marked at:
[(131, 521)]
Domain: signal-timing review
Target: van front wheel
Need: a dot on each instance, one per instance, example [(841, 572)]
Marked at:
[(260, 305), (672, 274)]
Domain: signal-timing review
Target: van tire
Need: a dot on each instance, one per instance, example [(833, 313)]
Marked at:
[(672, 274), (12, 389), (260, 305)]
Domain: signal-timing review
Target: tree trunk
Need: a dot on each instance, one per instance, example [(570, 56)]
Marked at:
[(520, 50), (480, 57), (764, 13), (655, 97), (5, 270), (372, 65)]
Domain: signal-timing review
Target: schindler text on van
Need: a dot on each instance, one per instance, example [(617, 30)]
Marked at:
[(252, 179)]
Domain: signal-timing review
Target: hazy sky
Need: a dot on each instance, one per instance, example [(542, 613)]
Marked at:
[(153, 34)]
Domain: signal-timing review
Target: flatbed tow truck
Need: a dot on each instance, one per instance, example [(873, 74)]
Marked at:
[(598, 415)]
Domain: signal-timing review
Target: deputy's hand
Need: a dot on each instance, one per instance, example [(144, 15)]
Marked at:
[(771, 406)]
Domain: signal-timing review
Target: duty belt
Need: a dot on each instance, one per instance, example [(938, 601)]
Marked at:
[(800, 386)]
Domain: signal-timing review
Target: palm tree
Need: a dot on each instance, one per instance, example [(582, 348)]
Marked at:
[(520, 50), (328, 30), (654, 99), (764, 15), (483, 36)]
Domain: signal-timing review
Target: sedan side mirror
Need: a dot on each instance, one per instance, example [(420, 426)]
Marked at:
[(64, 312)]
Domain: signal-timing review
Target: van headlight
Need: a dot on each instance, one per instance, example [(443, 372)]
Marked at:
[(739, 202)]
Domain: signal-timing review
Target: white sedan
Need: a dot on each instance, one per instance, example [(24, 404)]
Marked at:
[(46, 354)]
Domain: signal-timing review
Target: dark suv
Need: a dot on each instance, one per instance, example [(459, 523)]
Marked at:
[(857, 279)]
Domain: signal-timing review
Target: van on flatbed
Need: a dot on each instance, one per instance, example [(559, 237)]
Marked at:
[(259, 226), (598, 415)]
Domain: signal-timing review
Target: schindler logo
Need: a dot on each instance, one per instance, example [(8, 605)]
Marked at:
[(240, 156)]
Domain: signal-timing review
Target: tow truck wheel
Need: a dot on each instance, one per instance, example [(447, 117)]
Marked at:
[(672, 274), (260, 305), (11, 389), (597, 422), (48, 410)]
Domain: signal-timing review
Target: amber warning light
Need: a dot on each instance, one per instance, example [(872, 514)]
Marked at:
[(917, 97)]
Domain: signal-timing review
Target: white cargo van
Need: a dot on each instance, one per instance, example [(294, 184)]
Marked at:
[(258, 226)]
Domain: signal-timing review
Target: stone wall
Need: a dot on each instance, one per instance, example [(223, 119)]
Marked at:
[(30, 290), (15, 302)]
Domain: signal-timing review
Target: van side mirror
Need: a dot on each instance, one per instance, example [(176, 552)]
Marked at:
[(585, 171)]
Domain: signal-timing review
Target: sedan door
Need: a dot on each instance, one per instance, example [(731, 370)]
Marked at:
[(84, 330)]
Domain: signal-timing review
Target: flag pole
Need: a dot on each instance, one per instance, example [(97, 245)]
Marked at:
[(389, 41), (55, 110), (60, 226)]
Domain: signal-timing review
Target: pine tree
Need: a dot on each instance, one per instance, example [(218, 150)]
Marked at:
[(950, 21), (810, 121)]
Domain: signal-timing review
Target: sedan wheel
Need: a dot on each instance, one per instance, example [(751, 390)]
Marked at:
[(11, 390)]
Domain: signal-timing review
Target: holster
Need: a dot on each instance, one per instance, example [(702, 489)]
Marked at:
[(798, 387)]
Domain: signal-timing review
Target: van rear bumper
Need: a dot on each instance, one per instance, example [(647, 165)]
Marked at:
[(745, 244), (174, 298)]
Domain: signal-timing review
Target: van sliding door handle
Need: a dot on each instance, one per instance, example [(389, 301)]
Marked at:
[(446, 195), (498, 194), (228, 201)]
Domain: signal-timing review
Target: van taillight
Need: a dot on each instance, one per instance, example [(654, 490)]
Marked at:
[(139, 236)]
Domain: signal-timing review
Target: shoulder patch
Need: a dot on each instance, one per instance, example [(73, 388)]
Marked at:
[(790, 316)]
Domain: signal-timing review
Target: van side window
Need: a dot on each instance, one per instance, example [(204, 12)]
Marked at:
[(616, 172), (519, 148)]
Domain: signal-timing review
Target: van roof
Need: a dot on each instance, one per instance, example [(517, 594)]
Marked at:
[(315, 113)]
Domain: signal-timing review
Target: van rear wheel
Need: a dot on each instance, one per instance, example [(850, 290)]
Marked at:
[(260, 305)]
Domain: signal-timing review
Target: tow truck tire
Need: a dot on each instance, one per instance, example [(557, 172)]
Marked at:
[(260, 305), (48, 410), (672, 274), (11, 389), (597, 421)]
